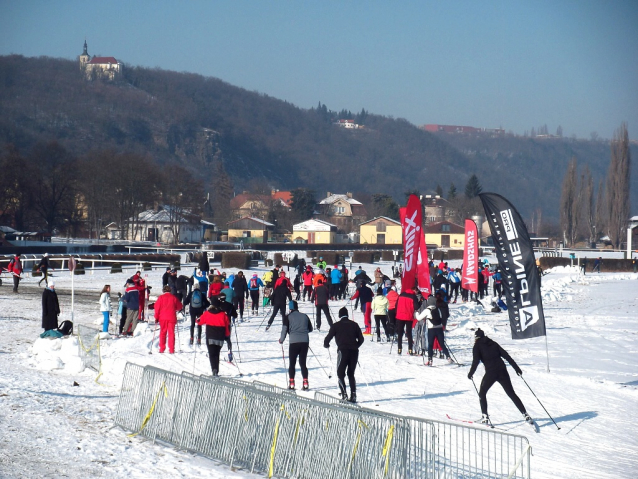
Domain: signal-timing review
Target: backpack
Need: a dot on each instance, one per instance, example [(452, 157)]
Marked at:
[(196, 299), (66, 328), (253, 283)]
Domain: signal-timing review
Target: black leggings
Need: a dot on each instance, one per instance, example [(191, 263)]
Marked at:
[(383, 319), (276, 309), (503, 378), (194, 316), (213, 355), (294, 350), (326, 310), (438, 334), (347, 359), (254, 297), (238, 302), (407, 325)]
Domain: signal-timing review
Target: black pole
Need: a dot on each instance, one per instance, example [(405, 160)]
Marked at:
[(479, 395), (450, 351), (539, 401)]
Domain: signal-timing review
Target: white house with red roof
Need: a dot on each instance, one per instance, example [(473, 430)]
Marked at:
[(99, 67)]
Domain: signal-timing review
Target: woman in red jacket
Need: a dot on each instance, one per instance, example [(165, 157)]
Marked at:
[(166, 308), (407, 304), (216, 286), (217, 329)]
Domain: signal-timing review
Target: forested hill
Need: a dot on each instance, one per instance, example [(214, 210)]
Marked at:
[(196, 121)]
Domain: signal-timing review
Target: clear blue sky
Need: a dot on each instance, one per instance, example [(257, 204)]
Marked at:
[(510, 64)]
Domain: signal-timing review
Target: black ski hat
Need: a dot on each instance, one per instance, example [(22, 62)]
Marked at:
[(343, 313), (479, 333)]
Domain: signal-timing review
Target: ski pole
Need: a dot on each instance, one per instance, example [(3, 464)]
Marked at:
[(330, 356), (539, 401), (265, 316), (317, 359), (237, 343), (392, 344), (450, 351), (283, 357), (367, 384), (479, 395)]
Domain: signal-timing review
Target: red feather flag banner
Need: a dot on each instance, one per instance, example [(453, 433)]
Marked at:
[(411, 223), (470, 257), (423, 269)]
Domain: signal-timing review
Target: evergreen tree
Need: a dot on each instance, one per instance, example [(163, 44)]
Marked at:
[(303, 204), (451, 194), (384, 205), (439, 190), (473, 188)]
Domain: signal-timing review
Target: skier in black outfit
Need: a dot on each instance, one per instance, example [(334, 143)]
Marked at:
[(491, 353), (349, 339), (280, 296), (231, 312), (240, 290), (322, 295), (297, 325), (43, 266)]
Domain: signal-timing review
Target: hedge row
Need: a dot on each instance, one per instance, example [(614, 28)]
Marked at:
[(236, 260)]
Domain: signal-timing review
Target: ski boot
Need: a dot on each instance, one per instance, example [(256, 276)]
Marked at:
[(230, 356), (399, 351), (485, 419), (291, 384), (215, 372), (191, 342), (267, 327), (410, 352), (528, 419), (353, 398), (199, 341), (449, 360), (305, 385), (429, 363)]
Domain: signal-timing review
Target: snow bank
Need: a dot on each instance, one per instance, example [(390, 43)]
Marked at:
[(48, 354)]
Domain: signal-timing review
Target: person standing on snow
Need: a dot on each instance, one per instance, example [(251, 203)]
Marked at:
[(15, 268), (407, 305), (240, 293), (321, 296), (364, 294), (50, 307), (297, 325), (253, 287), (598, 262), (379, 307), (491, 353), (105, 306), (217, 329), (335, 282), (43, 266), (166, 308), (280, 296), (132, 299), (437, 313), (454, 278), (349, 339), (198, 303), (307, 276)]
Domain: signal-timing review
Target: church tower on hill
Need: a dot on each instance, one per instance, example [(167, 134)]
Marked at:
[(85, 57), (107, 68)]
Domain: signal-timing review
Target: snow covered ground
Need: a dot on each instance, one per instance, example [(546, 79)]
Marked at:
[(51, 428)]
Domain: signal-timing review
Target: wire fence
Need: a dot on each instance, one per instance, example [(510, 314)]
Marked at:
[(89, 346), (267, 430)]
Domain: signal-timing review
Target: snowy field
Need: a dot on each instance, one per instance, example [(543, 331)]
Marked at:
[(51, 428)]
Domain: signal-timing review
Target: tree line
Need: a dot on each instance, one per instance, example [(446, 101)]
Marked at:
[(590, 213)]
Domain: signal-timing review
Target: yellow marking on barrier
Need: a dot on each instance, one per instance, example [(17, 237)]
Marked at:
[(152, 409), (300, 422), (356, 445), (272, 449), (386, 448)]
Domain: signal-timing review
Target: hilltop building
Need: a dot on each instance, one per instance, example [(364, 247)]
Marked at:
[(99, 67), (343, 211)]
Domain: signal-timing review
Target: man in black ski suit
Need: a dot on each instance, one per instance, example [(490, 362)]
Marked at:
[(349, 339), (491, 353), (280, 297)]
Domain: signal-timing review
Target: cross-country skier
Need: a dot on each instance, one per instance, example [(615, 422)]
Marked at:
[(166, 308), (279, 297), (253, 287), (491, 354), (407, 305), (349, 339), (308, 276), (198, 303), (43, 266), (297, 325), (217, 329), (321, 296)]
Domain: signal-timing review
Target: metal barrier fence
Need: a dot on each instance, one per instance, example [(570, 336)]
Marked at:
[(284, 435), (89, 346)]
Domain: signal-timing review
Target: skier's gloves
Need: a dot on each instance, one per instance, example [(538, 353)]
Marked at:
[(519, 372), (280, 341), (327, 346), (469, 376)]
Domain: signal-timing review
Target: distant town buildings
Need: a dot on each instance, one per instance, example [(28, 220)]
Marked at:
[(457, 129), (342, 211), (99, 67), (350, 124)]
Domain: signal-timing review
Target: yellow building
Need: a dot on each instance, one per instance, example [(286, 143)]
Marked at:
[(445, 234), (249, 230), (381, 230), (314, 232)]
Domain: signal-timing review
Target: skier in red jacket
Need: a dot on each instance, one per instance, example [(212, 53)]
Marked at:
[(407, 304), (217, 329), (166, 308)]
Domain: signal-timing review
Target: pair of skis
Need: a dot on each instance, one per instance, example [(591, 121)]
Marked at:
[(531, 423)]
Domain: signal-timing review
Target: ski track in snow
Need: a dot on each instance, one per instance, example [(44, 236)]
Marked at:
[(50, 428)]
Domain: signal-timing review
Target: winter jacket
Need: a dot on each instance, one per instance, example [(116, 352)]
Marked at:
[(105, 302), (50, 309), (453, 277), (407, 304), (281, 295), (490, 352), (322, 264), (297, 325), (347, 335), (229, 309), (229, 293), (393, 297), (319, 277), (166, 308), (364, 294), (214, 289), (335, 276), (240, 287), (380, 305), (362, 279), (321, 295), (267, 277), (44, 263), (439, 281), (217, 326), (378, 276), (132, 298), (255, 285), (201, 279), (204, 265), (436, 316), (181, 283), (307, 278), (283, 280), (15, 266)]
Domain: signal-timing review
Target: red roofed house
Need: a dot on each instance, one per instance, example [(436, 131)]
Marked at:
[(99, 67), (248, 204)]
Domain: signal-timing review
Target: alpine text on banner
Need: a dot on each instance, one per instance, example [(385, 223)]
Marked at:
[(521, 282)]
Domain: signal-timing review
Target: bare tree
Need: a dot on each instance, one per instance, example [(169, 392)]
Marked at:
[(600, 223), (570, 204), (618, 185), (589, 205), (182, 195)]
